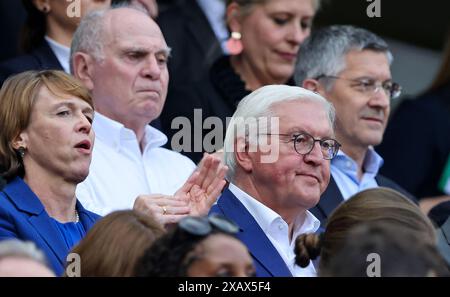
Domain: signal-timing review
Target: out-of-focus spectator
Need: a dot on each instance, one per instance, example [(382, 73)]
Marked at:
[(22, 259), (372, 205), (381, 249), (198, 246), (116, 242)]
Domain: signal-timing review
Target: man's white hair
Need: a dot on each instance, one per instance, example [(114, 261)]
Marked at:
[(257, 106)]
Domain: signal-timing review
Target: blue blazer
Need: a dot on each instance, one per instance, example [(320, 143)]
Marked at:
[(266, 258), (23, 216)]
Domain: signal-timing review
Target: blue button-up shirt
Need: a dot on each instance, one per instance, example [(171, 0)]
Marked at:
[(345, 172)]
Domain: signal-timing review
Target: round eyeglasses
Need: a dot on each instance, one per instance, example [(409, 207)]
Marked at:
[(304, 144)]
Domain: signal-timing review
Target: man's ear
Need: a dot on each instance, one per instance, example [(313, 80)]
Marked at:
[(314, 85), (83, 65), (241, 154)]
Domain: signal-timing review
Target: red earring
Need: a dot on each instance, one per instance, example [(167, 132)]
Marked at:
[(234, 44)]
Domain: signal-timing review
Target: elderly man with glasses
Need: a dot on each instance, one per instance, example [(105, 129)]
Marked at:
[(278, 148), (351, 68)]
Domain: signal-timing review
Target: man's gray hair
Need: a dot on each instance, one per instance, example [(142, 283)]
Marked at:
[(259, 106), (21, 249), (89, 36), (324, 51)]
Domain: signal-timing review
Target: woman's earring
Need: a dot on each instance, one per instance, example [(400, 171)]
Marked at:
[(21, 151), (234, 44), (45, 9)]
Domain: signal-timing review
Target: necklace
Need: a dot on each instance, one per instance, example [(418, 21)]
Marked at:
[(77, 217)]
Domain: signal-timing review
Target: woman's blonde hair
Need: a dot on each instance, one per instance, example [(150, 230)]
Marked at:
[(17, 99)]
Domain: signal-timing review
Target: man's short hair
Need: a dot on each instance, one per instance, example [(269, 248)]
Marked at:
[(324, 51)]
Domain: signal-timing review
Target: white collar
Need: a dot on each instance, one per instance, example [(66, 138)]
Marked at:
[(371, 164), (114, 133), (61, 52), (265, 216)]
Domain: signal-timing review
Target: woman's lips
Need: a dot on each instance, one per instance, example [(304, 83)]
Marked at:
[(290, 57)]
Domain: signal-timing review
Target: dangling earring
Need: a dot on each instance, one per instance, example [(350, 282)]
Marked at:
[(21, 151), (234, 44)]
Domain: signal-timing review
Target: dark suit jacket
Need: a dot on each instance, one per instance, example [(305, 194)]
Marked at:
[(39, 59), (332, 197), (194, 44), (443, 235), (266, 258), (23, 216)]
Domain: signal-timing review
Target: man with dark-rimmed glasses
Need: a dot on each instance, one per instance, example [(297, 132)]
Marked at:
[(269, 198), (351, 68)]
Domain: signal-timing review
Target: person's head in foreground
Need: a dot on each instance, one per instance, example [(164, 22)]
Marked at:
[(382, 249), (22, 259), (372, 205), (116, 242), (198, 246)]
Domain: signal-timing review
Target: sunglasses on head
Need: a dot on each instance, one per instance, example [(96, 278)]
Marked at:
[(202, 226)]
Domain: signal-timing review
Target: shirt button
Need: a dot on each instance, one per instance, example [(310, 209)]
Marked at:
[(349, 164), (280, 227)]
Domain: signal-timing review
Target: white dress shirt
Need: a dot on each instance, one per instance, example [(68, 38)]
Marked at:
[(120, 171), (277, 230), (61, 52)]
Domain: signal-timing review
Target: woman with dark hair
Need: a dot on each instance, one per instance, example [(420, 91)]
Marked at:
[(47, 34), (197, 246), (46, 145), (372, 205)]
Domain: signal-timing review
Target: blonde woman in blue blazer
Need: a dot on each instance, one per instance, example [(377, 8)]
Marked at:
[(46, 145)]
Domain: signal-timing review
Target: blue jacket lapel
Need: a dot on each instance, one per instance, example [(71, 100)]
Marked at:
[(26, 201), (252, 235)]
